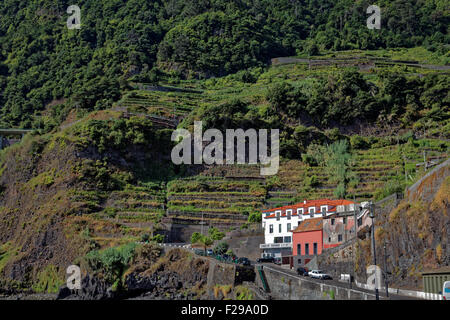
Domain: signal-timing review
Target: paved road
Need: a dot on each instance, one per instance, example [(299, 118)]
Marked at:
[(338, 283)]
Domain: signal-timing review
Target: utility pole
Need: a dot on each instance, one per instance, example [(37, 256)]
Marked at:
[(355, 225), (372, 215), (406, 174), (425, 163), (385, 271), (202, 223)]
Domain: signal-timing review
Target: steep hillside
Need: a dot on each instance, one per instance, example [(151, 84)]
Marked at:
[(68, 193), (43, 63), (416, 235), (104, 179)]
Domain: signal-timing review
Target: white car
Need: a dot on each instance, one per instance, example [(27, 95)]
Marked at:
[(319, 274), (446, 290)]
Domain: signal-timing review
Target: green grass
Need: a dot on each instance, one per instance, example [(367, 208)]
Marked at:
[(49, 280)]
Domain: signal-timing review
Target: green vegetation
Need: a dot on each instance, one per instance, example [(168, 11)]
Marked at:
[(243, 293), (5, 253), (339, 163), (49, 280), (104, 99), (111, 263), (215, 234), (151, 41), (221, 248)]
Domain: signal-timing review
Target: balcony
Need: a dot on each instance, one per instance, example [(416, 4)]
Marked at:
[(274, 245)]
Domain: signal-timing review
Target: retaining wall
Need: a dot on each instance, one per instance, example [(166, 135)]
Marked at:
[(425, 188), (284, 286)]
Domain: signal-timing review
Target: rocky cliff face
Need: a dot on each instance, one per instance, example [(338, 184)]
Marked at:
[(53, 187), (416, 235), (176, 275), (34, 229)]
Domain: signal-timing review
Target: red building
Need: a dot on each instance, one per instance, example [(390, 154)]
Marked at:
[(307, 241)]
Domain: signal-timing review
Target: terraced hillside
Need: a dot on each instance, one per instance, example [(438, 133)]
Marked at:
[(226, 196), (223, 197), (377, 170), (137, 210), (166, 102)]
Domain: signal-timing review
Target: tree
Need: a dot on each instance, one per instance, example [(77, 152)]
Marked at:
[(215, 234), (195, 237), (198, 238), (205, 241), (339, 162)]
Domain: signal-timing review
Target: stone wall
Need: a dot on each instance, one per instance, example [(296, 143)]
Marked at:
[(284, 286), (425, 188)]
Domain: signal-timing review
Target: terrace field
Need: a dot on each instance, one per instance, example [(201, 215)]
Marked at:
[(102, 179), (228, 195)]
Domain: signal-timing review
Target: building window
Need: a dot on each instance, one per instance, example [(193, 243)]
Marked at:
[(315, 248), (278, 213), (312, 210), (345, 220), (299, 249), (288, 227), (306, 248), (329, 239), (323, 209), (300, 211), (289, 214), (279, 228), (299, 261), (271, 228), (339, 237), (332, 222), (278, 240), (287, 239)]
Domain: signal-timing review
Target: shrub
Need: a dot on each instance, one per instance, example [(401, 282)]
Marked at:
[(358, 142), (389, 188), (111, 263), (158, 238), (221, 248), (312, 181), (145, 237), (255, 217), (215, 234), (49, 280)]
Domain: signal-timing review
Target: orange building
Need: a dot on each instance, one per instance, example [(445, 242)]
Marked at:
[(307, 241)]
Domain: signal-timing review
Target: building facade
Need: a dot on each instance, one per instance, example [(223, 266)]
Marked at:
[(314, 236), (307, 241), (278, 223)]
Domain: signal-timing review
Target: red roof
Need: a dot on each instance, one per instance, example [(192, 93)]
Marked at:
[(309, 225), (332, 204)]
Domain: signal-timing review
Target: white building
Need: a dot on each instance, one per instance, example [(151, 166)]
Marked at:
[(278, 222)]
